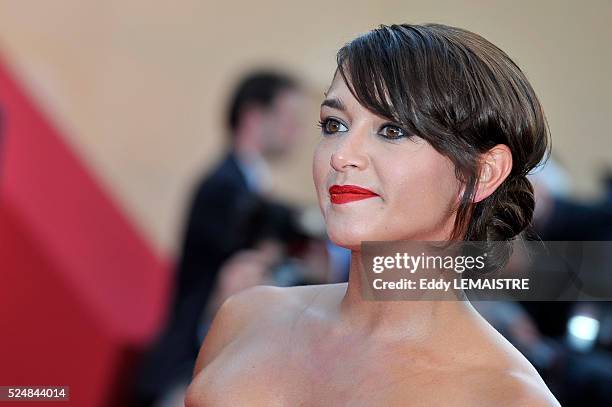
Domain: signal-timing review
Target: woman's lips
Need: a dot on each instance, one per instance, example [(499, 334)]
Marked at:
[(340, 194)]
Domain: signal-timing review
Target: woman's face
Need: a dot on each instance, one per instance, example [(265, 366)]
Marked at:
[(414, 187)]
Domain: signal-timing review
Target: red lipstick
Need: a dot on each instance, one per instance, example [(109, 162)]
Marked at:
[(340, 194)]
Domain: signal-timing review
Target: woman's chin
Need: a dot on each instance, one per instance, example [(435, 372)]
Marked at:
[(351, 241)]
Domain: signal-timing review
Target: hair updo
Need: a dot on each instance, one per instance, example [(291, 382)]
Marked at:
[(463, 95)]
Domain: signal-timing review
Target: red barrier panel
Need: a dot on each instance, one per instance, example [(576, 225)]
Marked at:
[(81, 292)]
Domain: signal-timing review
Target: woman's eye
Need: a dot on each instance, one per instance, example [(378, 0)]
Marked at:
[(392, 132), (331, 126)]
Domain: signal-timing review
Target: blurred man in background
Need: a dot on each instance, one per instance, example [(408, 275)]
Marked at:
[(229, 214)]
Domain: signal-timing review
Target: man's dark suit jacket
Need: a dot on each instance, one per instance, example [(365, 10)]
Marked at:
[(213, 233)]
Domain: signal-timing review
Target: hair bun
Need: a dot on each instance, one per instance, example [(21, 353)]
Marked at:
[(511, 209), (503, 215)]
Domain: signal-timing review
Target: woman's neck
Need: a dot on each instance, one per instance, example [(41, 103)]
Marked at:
[(397, 319)]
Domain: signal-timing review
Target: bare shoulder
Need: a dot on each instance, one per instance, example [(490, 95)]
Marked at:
[(248, 310), (480, 367), (233, 317), (515, 389), (506, 378)]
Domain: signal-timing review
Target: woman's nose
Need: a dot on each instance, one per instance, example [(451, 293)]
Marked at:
[(350, 153)]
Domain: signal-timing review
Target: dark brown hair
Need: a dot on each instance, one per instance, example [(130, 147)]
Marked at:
[(463, 95)]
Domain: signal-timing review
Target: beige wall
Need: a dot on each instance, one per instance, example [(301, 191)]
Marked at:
[(139, 86)]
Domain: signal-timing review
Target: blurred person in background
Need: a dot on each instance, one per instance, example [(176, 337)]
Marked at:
[(229, 213), (280, 250), (581, 375), (558, 216)]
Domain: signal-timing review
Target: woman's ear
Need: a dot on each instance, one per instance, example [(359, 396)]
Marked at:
[(495, 166)]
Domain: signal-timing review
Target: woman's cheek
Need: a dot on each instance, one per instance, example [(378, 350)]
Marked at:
[(320, 169)]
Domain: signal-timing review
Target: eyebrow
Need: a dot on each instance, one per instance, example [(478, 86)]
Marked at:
[(334, 103)]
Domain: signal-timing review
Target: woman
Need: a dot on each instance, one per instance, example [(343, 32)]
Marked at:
[(437, 128)]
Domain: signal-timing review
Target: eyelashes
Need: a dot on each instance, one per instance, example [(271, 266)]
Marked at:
[(389, 131), (331, 126)]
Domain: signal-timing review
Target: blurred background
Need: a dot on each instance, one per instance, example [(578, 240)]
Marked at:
[(114, 115)]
